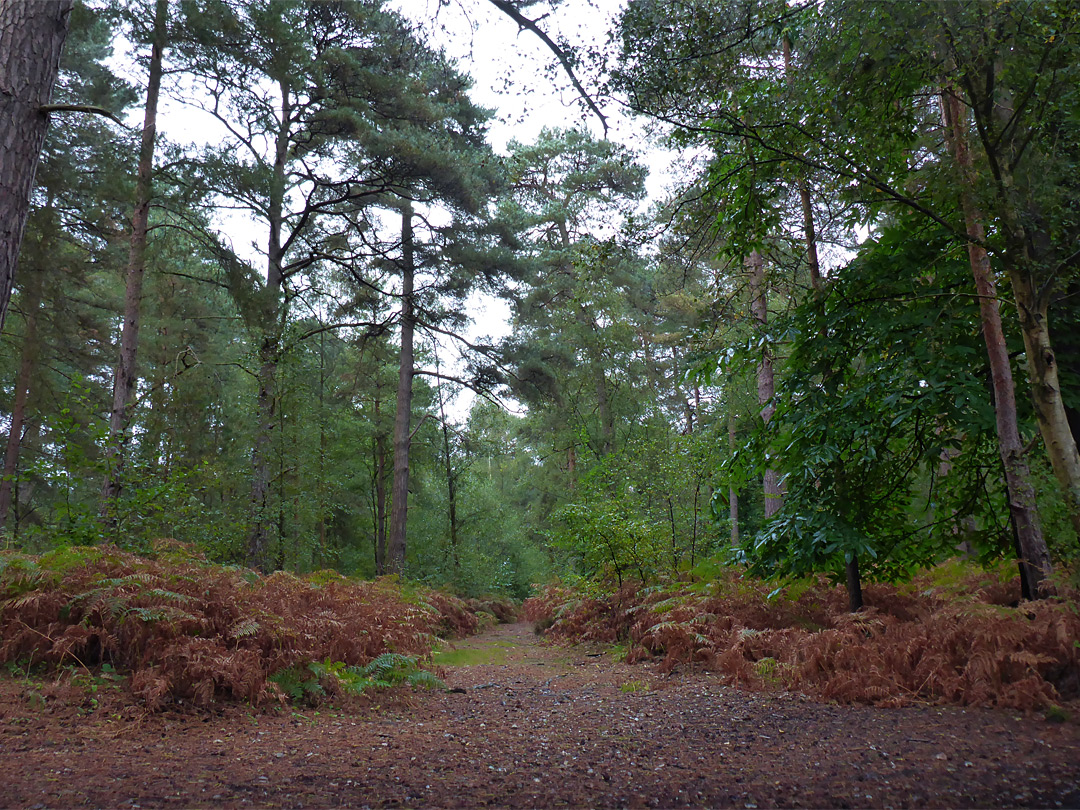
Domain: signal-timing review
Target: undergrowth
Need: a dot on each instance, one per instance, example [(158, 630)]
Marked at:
[(182, 628), (953, 635)]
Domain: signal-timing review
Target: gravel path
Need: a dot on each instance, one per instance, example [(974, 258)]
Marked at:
[(529, 724)]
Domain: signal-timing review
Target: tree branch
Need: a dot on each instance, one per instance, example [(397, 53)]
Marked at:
[(525, 24), (81, 108)]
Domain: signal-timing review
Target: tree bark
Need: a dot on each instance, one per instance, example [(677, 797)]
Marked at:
[(27, 366), (766, 386), (733, 494), (379, 487), (399, 493), (1042, 372), (258, 546), (32, 35), (854, 584), (1035, 557), (124, 376), (451, 479)]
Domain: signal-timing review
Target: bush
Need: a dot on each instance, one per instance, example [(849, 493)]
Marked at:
[(184, 628), (955, 634)]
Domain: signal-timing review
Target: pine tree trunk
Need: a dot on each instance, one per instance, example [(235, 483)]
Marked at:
[(32, 35), (733, 494), (1035, 556), (766, 385), (258, 549), (258, 545), (399, 493), (124, 376), (379, 488), (451, 479), (451, 489), (27, 367)]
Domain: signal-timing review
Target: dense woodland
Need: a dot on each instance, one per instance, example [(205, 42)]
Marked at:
[(846, 343)]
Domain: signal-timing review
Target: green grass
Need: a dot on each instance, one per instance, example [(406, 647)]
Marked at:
[(472, 656)]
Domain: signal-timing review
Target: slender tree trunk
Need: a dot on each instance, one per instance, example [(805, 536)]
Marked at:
[(451, 487), (1035, 557), (1042, 371), (402, 421), (27, 367), (258, 547), (1027, 244), (766, 386), (320, 492), (258, 550), (124, 376), (380, 491), (451, 479), (733, 494), (32, 35), (809, 232)]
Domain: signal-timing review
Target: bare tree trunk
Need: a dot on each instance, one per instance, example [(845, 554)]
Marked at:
[(258, 545), (32, 35), (379, 473), (258, 550), (1035, 557), (124, 377), (733, 494), (766, 386), (1042, 370), (399, 493), (809, 232), (27, 366), (451, 479)]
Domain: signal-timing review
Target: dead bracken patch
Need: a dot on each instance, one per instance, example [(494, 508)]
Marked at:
[(967, 641), (181, 627)]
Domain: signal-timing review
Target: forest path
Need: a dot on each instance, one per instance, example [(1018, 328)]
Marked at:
[(529, 724)]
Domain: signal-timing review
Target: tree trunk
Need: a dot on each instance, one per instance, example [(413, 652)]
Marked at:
[(1042, 370), (766, 387), (27, 366), (854, 584), (451, 479), (258, 550), (32, 35), (804, 196), (258, 546), (379, 482), (733, 494), (124, 377), (1035, 557), (399, 493)]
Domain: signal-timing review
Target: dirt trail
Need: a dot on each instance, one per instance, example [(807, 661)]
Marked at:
[(532, 725)]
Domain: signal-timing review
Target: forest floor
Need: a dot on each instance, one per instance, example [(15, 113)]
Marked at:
[(528, 724)]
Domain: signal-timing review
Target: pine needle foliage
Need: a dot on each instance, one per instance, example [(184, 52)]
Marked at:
[(183, 628), (953, 635)]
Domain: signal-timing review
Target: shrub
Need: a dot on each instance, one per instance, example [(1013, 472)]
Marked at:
[(954, 634), (183, 628)]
